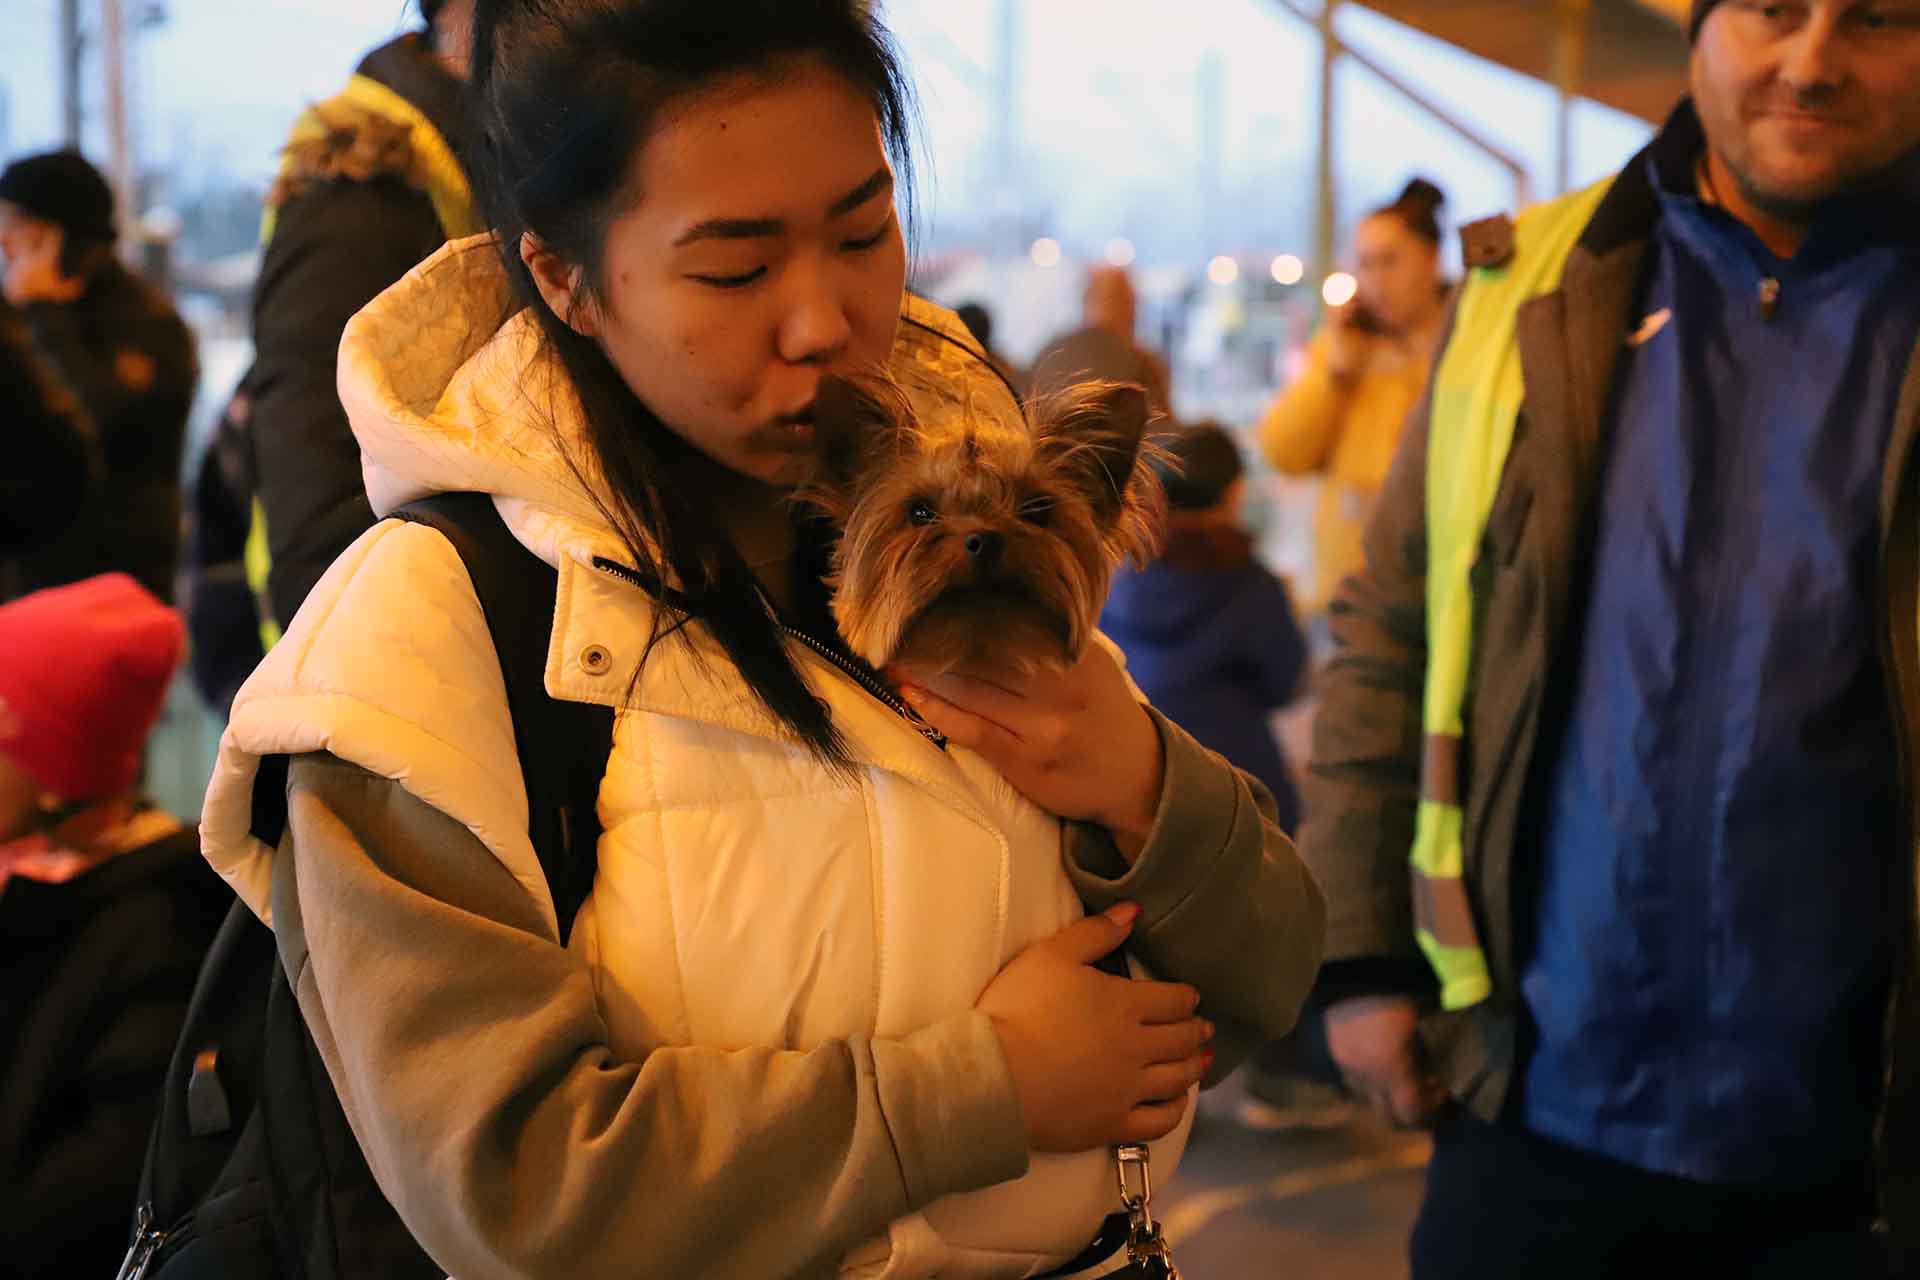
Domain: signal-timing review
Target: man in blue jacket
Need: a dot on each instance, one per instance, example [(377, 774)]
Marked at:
[(1621, 721)]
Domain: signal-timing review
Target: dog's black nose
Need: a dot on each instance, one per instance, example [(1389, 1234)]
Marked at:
[(983, 547)]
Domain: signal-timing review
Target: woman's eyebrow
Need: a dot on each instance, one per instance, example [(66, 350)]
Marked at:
[(762, 228)]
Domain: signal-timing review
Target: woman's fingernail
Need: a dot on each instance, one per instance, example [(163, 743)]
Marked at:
[(914, 697), (1206, 1029), (1206, 1061), (1124, 914)]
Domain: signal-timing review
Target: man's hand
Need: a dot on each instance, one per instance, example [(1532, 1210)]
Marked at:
[(1372, 1041), (1077, 743)]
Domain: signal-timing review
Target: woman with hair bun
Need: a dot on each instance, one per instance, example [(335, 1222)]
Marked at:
[(1366, 370)]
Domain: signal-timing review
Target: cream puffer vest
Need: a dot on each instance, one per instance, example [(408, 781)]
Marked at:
[(745, 895)]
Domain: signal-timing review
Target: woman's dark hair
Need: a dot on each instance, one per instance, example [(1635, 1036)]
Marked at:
[(1200, 464), (566, 94), (1418, 208)]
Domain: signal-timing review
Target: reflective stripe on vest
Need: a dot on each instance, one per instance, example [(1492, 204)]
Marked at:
[(1477, 393)]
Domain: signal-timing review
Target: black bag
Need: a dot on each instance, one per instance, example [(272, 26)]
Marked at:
[(251, 1169)]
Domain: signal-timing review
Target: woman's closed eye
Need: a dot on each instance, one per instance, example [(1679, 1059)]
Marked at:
[(740, 281), (873, 241)]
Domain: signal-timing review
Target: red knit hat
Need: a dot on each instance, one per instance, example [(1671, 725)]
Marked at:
[(84, 670)]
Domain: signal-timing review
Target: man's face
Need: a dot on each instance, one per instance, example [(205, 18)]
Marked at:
[(1807, 99), (23, 237)]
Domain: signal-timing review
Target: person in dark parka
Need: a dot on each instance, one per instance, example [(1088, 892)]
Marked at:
[(118, 344), (372, 182), (50, 449)]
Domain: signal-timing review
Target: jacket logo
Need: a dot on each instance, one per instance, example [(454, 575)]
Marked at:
[(1650, 327)]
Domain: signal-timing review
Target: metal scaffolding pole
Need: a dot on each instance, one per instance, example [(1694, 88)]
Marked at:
[(70, 50), (113, 71), (1326, 209), (1569, 73), (1522, 184)]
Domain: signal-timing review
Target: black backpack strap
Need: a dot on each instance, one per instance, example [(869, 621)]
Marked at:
[(563, 746)]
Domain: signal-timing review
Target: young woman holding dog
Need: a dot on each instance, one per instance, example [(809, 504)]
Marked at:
[(830, 1008)]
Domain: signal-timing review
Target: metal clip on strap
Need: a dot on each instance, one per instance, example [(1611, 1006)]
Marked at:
[(1146, 1244)]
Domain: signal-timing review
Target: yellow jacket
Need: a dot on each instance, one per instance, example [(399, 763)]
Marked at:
[(1346, 432)]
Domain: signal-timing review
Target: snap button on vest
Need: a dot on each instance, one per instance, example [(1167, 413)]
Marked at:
[(595, 660)]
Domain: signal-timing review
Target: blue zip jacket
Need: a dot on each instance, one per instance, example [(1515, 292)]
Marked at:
[(1708, 966), (1211, 639)]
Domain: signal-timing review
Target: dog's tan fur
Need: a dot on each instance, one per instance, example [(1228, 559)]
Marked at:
[(1064, 485)]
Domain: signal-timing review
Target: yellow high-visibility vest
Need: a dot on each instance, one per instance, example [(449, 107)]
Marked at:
[(1476, 393)]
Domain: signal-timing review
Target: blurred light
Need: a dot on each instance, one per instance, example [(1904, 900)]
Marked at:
[(1120, 251), (1223, 270), (1046, 252), (1288, 269), (1339, 289)]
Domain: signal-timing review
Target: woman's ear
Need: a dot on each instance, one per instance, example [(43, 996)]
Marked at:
[(559, 284)]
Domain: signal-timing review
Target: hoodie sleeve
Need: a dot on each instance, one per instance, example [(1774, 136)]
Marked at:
[(472, 1061), (1301, 428), (1227, 905)]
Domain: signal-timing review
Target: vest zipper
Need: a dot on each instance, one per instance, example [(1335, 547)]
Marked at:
[(858, 673), (854, 670)]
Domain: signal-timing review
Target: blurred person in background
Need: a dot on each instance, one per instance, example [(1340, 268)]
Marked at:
[(1617, 742), (1211, 639), (106, 908), (979, 322), (1104, 348), (118, 344), (374, 180), (50, 451), (1208, 631), (1366, 370)]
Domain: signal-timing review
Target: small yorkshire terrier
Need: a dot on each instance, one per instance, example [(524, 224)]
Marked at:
[(971, 536)]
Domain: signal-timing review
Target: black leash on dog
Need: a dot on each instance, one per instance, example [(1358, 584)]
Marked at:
[(981, 356)]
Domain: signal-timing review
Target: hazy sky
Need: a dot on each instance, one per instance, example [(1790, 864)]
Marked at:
[(1115, 129)]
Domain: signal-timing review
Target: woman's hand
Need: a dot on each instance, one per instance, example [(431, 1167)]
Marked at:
[(1096, 1060), (1077, 743), (1349, 344)]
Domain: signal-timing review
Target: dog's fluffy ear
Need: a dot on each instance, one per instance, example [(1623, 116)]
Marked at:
[(1093, 432), (1096, 435), (856, 419)]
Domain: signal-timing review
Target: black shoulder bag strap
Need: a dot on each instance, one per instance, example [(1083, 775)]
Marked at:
[(563, 746)]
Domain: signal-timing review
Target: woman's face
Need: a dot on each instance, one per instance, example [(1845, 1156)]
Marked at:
[(1398, 272), (764, 253)]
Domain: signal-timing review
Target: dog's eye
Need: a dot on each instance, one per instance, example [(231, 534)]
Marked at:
[(1037, 510), (920, 511)]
